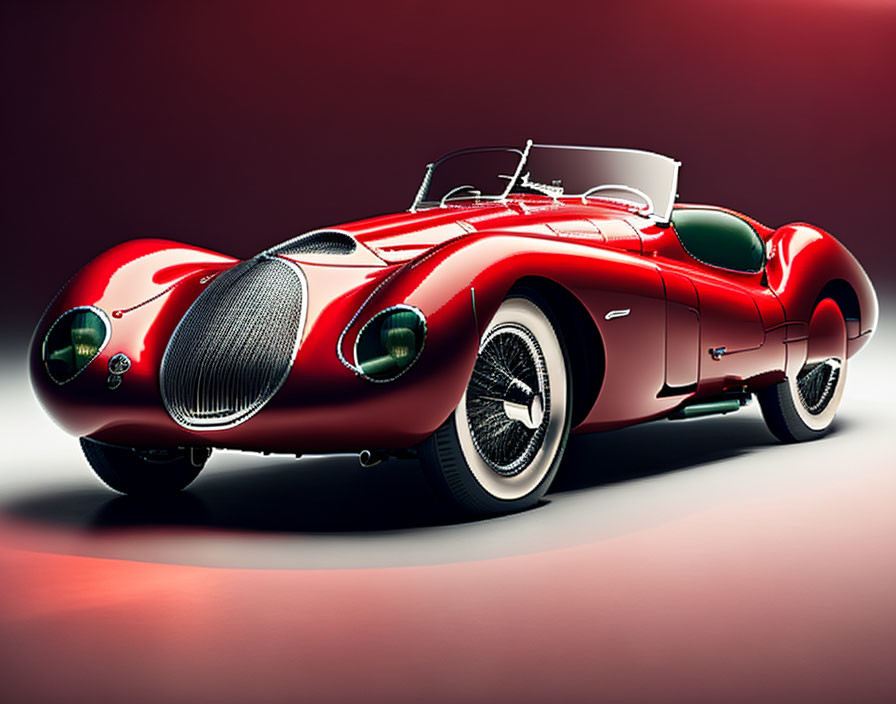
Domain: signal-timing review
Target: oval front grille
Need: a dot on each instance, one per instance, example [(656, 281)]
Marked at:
[(234, 347)]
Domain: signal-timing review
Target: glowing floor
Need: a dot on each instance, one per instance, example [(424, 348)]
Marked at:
[(694, 561)]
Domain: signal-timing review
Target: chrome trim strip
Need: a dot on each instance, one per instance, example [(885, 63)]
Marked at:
[(667, 216), (43, 347), (519, 169), (427, 177), (473, 303), (621, 313), (354, 319)]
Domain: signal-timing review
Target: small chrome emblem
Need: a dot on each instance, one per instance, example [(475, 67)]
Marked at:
[(118, 365), (617, 313)]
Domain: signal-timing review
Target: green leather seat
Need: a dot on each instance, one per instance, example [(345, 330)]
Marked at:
[(719, 239)]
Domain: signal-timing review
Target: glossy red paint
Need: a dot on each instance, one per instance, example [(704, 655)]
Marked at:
[(826, 333), (456, 264)]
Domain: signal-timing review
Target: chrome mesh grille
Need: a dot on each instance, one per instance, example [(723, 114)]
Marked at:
[(324, 242), (234, 347)]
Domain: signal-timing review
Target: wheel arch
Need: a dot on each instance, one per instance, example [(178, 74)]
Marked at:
[(844, 295), (580, 336)]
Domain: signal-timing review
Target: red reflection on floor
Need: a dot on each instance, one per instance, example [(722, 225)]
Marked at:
[(783, 598)]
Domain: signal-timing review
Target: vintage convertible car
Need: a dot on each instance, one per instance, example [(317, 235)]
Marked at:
[(526, 294)]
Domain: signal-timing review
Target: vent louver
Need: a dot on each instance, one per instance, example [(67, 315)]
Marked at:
[(323, 242)]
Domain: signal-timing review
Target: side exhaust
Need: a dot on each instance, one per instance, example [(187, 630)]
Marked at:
[(371, 458), (723, 405)]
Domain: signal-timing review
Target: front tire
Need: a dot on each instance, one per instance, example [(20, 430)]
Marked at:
[(144, 472), (501, 448), (804, 405)]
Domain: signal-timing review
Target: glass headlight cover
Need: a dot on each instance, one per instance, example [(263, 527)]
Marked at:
[(74, 341), (390, 342)]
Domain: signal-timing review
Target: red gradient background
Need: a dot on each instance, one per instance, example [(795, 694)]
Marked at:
[(235, 125)]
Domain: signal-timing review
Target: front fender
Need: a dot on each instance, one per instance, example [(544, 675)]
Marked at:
[(143, 286), (460, 285)]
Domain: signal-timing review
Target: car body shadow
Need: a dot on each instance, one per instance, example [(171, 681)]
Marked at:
[(336, 495), (659, 447)]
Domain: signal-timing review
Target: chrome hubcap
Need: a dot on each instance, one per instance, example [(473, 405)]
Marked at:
[(530, 412)]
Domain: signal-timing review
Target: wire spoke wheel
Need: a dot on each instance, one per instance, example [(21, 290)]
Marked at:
[(508, 399), (500, 449), (816, 385)]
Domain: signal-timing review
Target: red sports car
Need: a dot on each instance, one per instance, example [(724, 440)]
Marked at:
[(526, 294)]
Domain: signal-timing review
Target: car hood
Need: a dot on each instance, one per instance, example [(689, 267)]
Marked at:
[(404, 236)]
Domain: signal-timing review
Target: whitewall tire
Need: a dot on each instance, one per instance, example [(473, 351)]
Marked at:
[(500, 449)]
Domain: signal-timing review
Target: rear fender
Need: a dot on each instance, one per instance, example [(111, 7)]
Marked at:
[(807, 264)]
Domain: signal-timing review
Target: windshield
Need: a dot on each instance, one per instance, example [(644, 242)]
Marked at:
[(645, 179), (471, 174)]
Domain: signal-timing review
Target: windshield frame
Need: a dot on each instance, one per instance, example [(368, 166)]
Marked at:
[(662, 217), (427, 177)]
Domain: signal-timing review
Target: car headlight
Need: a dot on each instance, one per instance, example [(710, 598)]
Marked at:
[(74, 341), (390, 342)]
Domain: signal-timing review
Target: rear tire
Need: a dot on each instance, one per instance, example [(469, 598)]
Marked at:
[(501, 448), (803, 406), (144, 472)]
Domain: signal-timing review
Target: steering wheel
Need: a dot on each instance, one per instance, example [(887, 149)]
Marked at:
[(619, 187), (456, 189)]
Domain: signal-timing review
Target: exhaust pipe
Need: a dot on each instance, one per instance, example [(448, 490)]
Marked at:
[(371, 458), (724, 405)]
